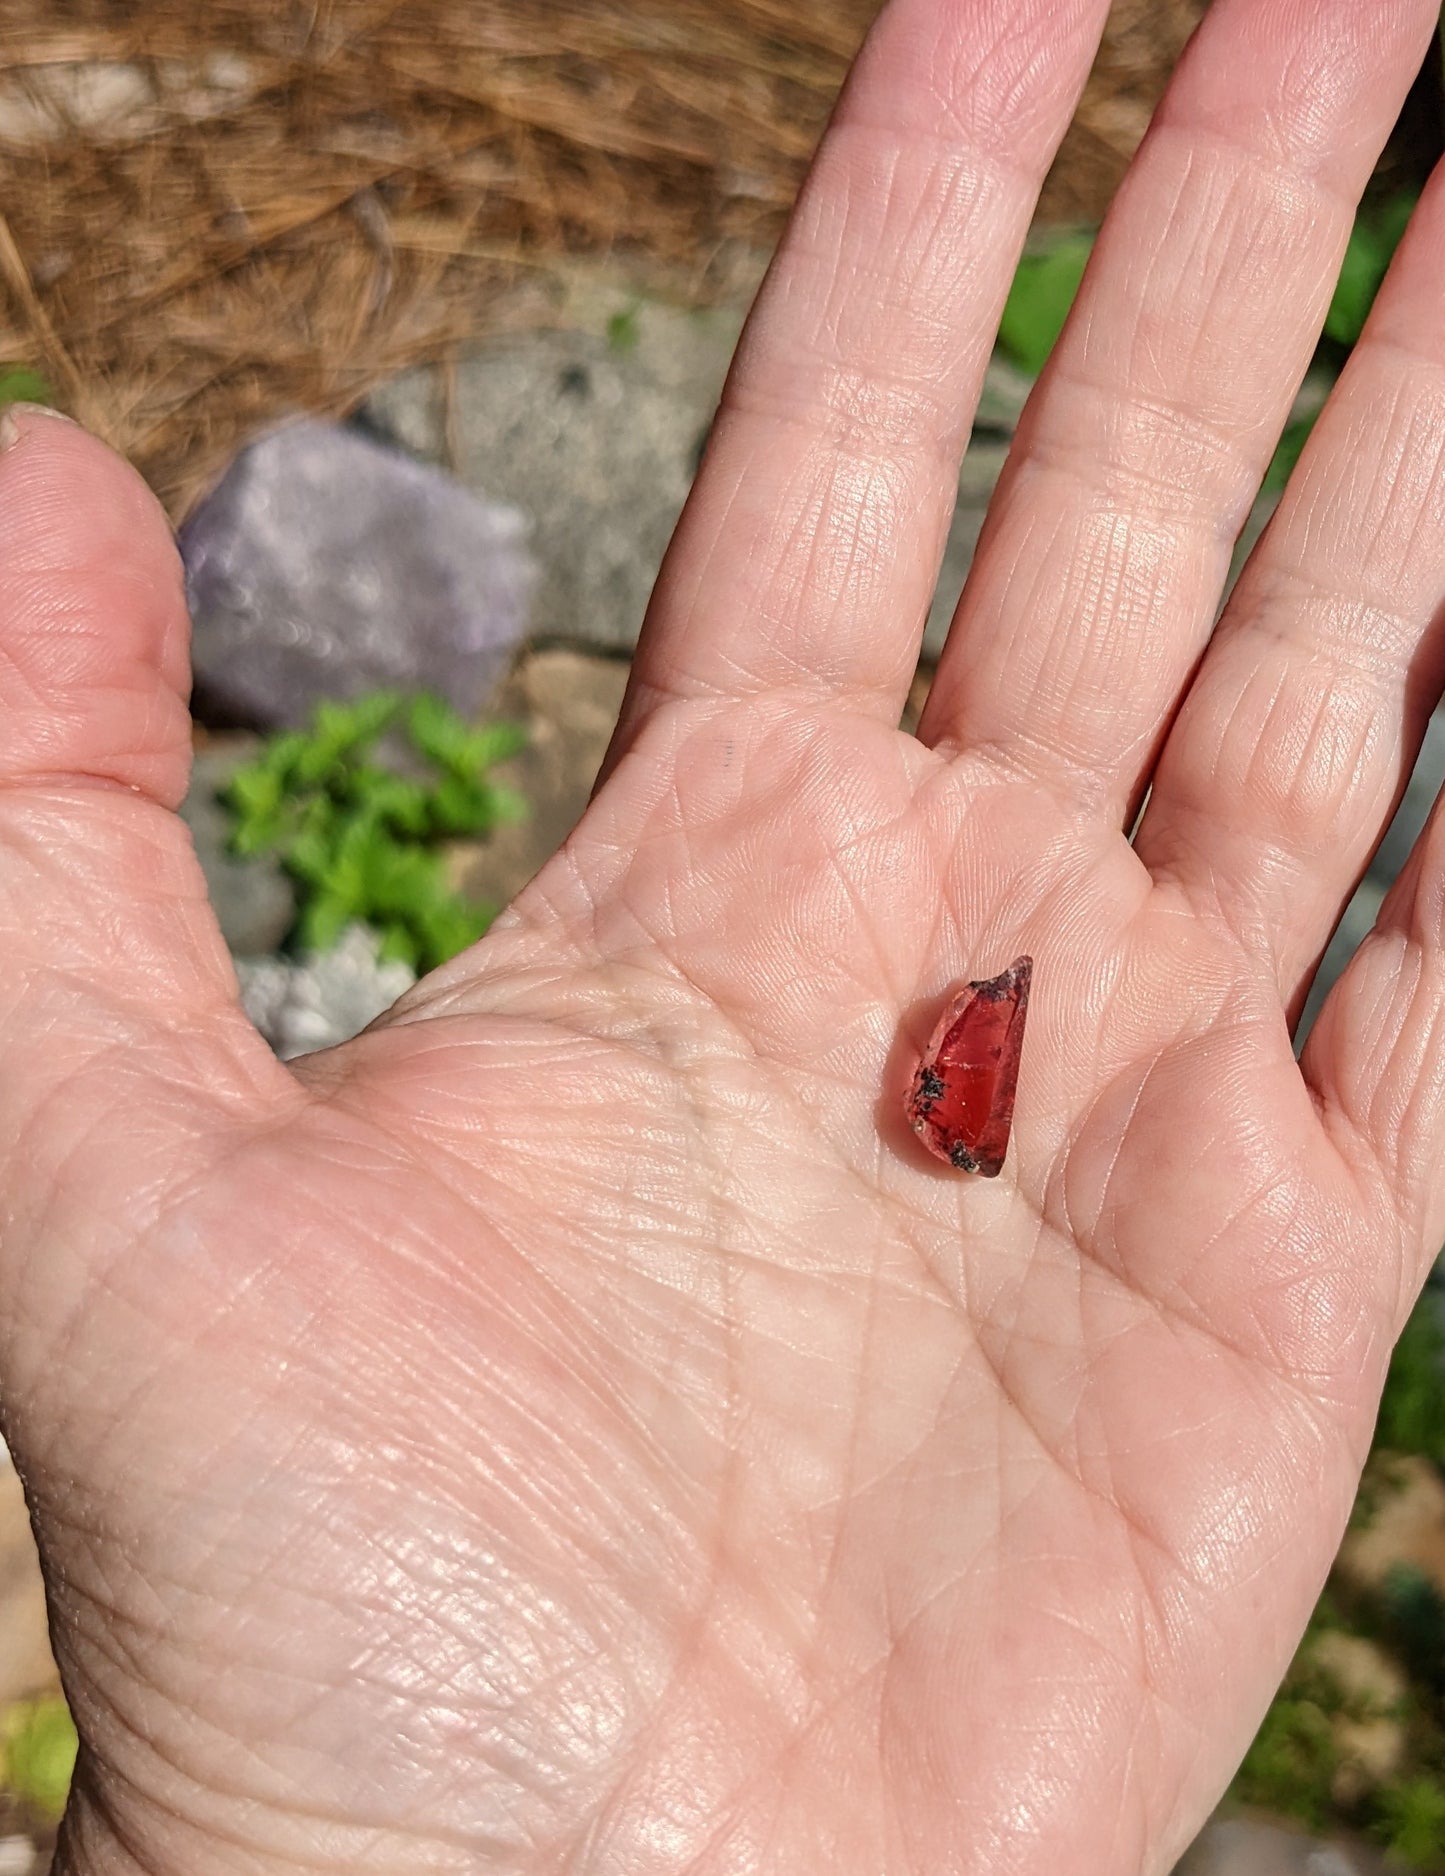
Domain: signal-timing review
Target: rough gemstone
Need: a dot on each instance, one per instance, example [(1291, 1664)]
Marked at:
[(961, 1100)]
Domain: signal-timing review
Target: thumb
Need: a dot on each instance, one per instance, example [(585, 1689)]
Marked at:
[(120, 1031)]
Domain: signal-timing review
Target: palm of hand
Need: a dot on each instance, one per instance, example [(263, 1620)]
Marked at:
[(574, 1426), (611, 1266)]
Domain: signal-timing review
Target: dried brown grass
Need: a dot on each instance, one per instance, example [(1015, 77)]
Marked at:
[(212, 214), (296, 202)]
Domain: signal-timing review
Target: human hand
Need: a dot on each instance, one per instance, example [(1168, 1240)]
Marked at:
[(574, 1426)]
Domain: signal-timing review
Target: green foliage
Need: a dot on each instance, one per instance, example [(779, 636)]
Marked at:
[(39, 1745), (1288, 452), (624, 329), (362, 837), (1290, 1768), (20, 385), (1412, 1410), (1373, 240), (1044, 289), (1411, 1822), (1412, 1618)]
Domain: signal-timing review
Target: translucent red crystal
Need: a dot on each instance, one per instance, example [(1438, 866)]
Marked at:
[(961, 1101)]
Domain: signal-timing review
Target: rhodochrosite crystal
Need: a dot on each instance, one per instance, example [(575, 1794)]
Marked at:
[(961, 1102)]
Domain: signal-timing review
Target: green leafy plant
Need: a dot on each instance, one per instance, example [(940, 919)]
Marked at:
[(1412, 1409), (1373, 239), (1412, 1620), (1411, 1822), (38, 1741), (1288, 452), (364, 837), (19, 384), (624, 328), (1043, 290), (1290, 1767)]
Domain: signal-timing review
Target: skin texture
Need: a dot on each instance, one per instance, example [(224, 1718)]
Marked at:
[(575, 1428)]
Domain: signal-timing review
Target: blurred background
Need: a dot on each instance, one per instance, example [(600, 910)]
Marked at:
[(414, 313)]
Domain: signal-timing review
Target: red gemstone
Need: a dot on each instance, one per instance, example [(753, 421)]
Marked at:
[(961, 1102)]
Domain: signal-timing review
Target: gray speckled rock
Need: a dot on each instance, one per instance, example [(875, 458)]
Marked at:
[(325, 565), (597, 440), (316, 1002)]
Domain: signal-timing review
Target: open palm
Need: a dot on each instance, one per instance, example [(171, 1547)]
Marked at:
[(575, 1427)]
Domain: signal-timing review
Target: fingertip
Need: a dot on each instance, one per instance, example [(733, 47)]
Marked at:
[(94, 636), (67, 497), (12, 429)]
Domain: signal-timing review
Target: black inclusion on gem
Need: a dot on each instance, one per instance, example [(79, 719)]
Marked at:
[(930, 1087), (962, 1158)]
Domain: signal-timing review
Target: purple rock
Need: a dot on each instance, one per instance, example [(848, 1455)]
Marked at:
[(326, 565)]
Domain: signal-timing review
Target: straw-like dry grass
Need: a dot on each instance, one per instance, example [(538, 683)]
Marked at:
[(214, 213)]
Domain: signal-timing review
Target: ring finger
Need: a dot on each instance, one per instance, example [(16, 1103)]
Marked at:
[(1307, 713), (1096, 583)]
